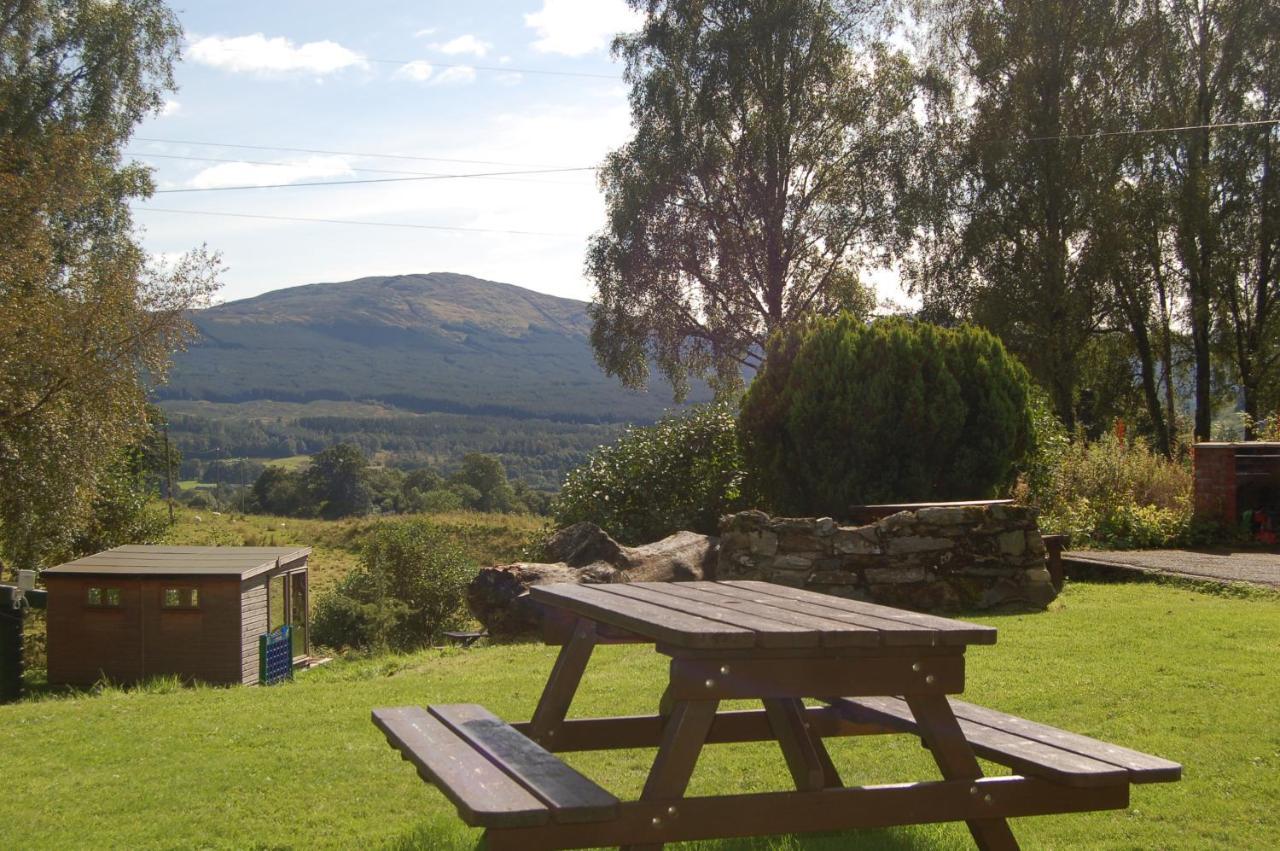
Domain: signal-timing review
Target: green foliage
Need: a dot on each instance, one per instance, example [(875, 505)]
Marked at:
[(123, 509), (337, 482), (1049, 443), (773, 163), (409, 588), (485, 480), (279, 491), (682, 473), (1116, 494), (895, 411), (87, 321)]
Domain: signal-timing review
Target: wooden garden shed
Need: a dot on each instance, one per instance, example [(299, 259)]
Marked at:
[(136, 612)]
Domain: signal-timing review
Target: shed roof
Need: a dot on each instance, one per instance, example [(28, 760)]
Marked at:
[(137, 560)]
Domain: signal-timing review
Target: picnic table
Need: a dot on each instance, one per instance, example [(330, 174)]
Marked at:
[(870, 669)]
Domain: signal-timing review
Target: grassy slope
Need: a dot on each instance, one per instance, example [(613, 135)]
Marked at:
[(1175, 672), (486, 538)]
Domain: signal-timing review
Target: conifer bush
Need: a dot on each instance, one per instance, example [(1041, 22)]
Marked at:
[(845, 412)]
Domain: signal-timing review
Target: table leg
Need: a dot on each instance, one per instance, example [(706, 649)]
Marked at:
[(810, 764), (944, 738), (561, 686), (682, 740)]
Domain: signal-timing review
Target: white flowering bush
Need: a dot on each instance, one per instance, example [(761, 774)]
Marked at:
[(684, 472)]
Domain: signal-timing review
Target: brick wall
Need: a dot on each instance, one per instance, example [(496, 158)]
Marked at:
[(1215, 482)]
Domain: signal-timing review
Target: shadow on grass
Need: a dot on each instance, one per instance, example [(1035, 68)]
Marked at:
[(438, 836)]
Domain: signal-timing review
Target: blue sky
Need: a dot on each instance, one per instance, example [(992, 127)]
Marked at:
[(376, 78)]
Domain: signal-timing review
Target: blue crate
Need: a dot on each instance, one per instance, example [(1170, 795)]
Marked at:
[(275, 656)]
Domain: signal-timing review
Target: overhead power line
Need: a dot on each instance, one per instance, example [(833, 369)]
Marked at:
[(369, 180), (1139, 131), (408, 225), (145, 155), (340, 153)]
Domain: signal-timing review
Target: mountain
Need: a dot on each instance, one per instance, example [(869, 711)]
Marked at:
[(417, 370), (439, 342)]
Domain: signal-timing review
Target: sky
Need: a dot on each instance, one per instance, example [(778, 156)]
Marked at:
[(385, 91)]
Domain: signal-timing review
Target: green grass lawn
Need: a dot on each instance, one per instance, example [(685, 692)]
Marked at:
[(1187, 675)]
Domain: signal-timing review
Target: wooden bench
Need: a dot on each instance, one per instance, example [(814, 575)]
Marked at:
[(466, 639), (493, 774), (1029, 748)]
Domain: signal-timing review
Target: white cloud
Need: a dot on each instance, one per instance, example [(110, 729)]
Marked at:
[(464, 44), (424, 32), (578, 27), (509, 78), (251, 174), (456, 74), (257, 53), (171, 107), (418, 70)]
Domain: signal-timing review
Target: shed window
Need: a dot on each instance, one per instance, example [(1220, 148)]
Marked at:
[(106, 597), (180, 598)]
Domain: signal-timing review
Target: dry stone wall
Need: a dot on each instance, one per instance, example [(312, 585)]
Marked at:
[(941, 558)]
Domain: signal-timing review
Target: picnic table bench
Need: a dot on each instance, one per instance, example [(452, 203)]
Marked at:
[(874, 669)]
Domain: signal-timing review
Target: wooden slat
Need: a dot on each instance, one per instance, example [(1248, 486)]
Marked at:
[(743, 679), (655, 622), (484, 795), (769, 633), (645, 731), (1142, 767), (951, 631), (834, 633), (827, 810), (1022, 755), (893, 633), (570, 795), (1007, 739)]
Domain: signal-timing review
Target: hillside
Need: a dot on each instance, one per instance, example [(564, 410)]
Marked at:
[(416, 369), (425, 343)]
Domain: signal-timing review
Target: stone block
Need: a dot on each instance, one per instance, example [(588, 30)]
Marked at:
[(820, 576), (745, 521), (917, 544), (1035, 543), (856, 540), (1013, 543), (801, 540), (896, 522), (785, 577), (1013, 513), (793, 562), (895, 575), (957, 516)]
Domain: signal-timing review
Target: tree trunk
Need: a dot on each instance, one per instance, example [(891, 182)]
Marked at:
[(1136, 314)]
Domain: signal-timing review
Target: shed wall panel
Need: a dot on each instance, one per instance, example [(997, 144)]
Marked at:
[(87, 644), (253, 606), (140, 638)]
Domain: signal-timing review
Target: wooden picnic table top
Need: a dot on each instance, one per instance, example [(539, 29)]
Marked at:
[(742, 615)]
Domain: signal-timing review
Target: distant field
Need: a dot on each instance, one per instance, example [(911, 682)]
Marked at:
[(1179, 673), (293, 462)]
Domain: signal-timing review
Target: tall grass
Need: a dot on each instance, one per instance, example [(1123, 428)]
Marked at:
[(1115, 493)]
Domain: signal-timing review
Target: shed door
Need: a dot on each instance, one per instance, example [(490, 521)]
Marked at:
[(287, 604)]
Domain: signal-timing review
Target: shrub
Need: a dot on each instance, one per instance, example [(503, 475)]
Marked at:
[(409, 588), (894, 411), (682, 473), (1118, 494)]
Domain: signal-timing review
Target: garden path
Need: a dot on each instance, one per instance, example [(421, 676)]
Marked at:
[(1257, 567)]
